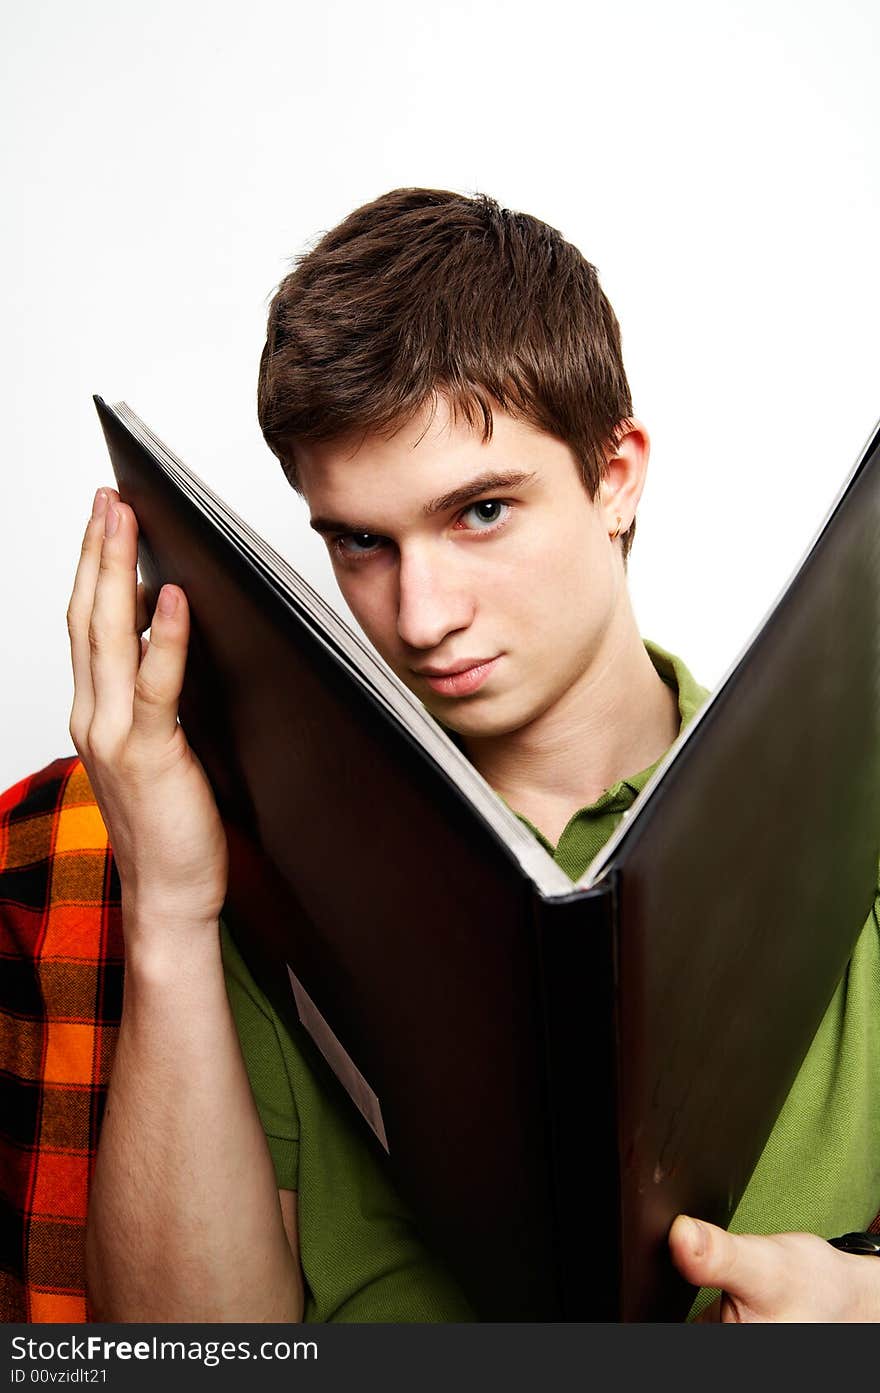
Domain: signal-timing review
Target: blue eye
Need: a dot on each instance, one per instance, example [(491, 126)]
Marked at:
[(486, 514), (359, 543)]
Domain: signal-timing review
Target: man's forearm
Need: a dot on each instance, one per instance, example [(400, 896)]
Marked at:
[(184, 1218)]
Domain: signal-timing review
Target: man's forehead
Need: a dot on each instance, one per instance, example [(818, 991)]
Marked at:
[(417, 465), (429, 432)]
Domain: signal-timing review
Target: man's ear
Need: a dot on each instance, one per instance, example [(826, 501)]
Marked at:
[(624, 478)]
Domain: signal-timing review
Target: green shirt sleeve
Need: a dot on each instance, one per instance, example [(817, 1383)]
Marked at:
[(361, 1255)]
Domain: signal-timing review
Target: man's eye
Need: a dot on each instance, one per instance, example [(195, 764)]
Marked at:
[(358, 543), (485, 515)]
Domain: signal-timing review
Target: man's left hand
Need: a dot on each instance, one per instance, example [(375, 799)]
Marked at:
[(784, 1277)]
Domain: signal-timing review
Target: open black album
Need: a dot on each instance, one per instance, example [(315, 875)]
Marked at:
[(551, 1071)]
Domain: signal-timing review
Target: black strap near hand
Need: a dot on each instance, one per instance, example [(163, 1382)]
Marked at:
[(867, 1243)]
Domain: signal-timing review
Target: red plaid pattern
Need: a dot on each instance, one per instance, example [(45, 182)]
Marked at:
[(60, 1002)]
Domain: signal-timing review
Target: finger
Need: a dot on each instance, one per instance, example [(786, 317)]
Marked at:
[(142, 613), (160, 679), (79, 611), (745, 1267), (113, 639)]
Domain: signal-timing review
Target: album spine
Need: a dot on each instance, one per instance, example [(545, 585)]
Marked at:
[(577, 952)]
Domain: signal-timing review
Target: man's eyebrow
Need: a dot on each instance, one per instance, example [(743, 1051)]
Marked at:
[(331, 525), (484, 483), (456, 498)]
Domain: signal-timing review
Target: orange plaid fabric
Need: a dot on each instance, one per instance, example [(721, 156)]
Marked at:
[(60, 1002)]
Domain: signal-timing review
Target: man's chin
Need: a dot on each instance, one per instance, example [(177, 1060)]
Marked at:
[(469, 719)]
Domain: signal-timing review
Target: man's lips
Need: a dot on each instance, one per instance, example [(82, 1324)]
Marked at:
[(460, 679)]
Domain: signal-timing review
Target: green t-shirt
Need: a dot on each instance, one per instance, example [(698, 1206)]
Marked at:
[(362, 1260), (361, 1256)]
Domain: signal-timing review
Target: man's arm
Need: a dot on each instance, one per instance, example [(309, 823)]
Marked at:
[(185, 1221)]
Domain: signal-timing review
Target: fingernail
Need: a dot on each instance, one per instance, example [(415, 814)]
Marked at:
[(111, 521), (100, 503), (167, 601), (695, 1234)]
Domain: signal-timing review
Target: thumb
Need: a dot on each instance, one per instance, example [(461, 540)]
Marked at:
[(747, 1268)]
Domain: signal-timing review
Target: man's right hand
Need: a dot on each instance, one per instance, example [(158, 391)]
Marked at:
[(160, 813), (185, 1221)]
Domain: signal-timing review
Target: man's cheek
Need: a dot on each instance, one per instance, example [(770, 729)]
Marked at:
[(377, 624)]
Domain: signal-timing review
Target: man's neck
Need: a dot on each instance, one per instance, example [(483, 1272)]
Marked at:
[(617, 720)]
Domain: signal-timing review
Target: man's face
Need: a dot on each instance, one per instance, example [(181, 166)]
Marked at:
[(481, 572)]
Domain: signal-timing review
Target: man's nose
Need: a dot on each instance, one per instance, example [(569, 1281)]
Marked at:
[(432, 602)]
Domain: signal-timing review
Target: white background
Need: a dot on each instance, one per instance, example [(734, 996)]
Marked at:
[(162, 163)]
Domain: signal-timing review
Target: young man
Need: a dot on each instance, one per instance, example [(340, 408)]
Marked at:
[(442, 380)]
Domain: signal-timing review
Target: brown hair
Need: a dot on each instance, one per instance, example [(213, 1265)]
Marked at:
[(424, 291)]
